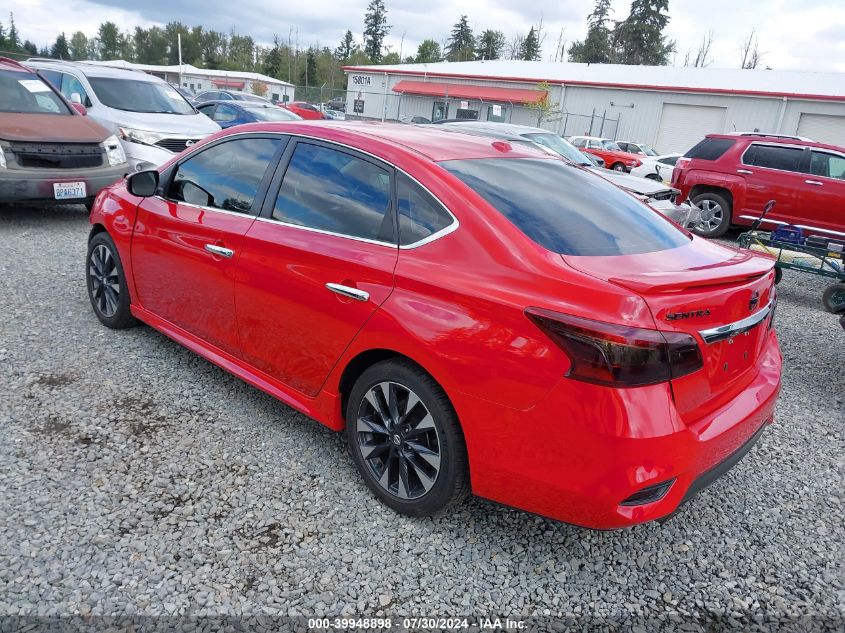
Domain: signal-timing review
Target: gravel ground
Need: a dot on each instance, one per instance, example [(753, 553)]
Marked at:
[(139, 479)]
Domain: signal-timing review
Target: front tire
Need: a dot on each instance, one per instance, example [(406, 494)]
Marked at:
[(715, 214), (107, 289), (405, 439), (619, 167)]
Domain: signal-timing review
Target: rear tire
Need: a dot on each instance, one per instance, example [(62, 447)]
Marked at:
[(107, 289), (834, 298), (715, 214), (406, 440), (618, 167)]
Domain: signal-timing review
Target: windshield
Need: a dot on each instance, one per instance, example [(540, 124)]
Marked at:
[(27, 93), (565, 209), (139, 96), (271, 113), (559, 146), (611, 145)]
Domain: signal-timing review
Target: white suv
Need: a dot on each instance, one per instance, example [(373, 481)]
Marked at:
[(151, 119)]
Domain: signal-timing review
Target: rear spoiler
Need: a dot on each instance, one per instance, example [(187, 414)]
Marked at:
[(728, 272)]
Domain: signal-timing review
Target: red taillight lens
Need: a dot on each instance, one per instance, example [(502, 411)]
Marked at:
[(618, 355), (682, 162)]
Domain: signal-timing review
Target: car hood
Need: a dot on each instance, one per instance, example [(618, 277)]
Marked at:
[(176, 124), (636, 184), (53, 128)]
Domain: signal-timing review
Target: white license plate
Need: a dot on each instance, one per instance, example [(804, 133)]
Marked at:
[(69, 190)]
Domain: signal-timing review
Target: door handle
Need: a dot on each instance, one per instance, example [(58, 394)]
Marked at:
[(346, 291), (816, 183), (219, 250), (744, 171)]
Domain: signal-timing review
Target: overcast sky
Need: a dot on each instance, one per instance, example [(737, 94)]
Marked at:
[(811, 37)]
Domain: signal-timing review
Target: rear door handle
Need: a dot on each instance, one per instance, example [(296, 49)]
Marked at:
[(744, 171), (346, 291), (219, 250), (816, 183)]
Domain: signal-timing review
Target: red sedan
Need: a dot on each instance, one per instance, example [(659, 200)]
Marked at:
[(305, 110), (478, 316), (612, 155)]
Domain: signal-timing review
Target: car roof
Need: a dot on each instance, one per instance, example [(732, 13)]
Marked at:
[(93, 70), (781, 140), (499, 130), (433, 142)]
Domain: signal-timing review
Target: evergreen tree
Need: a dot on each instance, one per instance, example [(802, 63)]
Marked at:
[(30, 48), (309, 72), (2, 37), (596, 48), (461, 45), (272, 63), (346, 48), (375, 29), (79, 46), (531, 46), (110, 41), (428, 52), (60, 48), (639, 39), (13, 42), (490, 45)]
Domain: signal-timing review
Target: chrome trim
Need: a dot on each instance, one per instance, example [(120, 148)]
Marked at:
[(809, 227), (817, 183), (723, 332), (323, 232), (219, 250), (346, 291), (744, 171)]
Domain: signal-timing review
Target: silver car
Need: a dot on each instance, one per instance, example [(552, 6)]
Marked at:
[(655, 194), (151, 119)]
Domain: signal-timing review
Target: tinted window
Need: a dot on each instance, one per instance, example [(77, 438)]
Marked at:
[(133, 95), (827, 165), (774, 157), (710, 148), (225, 113), (566, 209), (226, 176), (333, 191), (26, 92), (420, 215)]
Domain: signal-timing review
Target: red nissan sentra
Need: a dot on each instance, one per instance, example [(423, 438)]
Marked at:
[(478, 316)]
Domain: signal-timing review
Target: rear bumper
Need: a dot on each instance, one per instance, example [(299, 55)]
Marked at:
[(585, 450), (36, 185)]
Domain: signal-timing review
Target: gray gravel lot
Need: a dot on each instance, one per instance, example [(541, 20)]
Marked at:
[(140, 479)]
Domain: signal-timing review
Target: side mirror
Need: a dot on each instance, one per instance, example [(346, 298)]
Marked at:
[(143, 183), (75, 97), (79, 108)]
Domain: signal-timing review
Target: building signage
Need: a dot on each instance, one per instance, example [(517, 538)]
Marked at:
[(362, 80), (497, 110), (464, 105), (358, 106)]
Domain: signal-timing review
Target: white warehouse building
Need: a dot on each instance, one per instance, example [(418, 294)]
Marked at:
[(671, 108)]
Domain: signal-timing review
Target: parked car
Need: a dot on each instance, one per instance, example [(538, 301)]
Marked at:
[(229, 95), (49, 150), (659, 197), (337, 103), (229, 113), (151, 119), (640, 149), (479, 316), (731, 177), (186, 93), (415, 119), (335, 115), (657, 167), (614, 158), (305, 110)]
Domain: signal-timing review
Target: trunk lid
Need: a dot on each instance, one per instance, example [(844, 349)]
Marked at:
[(699, 289)]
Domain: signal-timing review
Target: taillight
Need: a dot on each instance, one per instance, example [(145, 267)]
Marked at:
[(682, 162), (618, 355)]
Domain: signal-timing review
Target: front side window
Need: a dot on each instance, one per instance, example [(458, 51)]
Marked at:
[(333, 191), (774, 157), (225, 113), (594, 145), (133, 95), (565, 209), (827, 165), (420, 214), (226, 176), (27, 93), (72, 86)]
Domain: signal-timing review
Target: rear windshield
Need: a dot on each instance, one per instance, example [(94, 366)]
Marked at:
[(140, 96), (566, 209), (710, 148), (27, 93)]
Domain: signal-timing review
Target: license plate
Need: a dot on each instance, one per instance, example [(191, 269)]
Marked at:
[(69, 190)]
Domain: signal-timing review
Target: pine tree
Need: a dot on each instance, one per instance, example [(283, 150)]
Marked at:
[(531, 46), (639, 39), (346, 48), (13, 42), (79, 46), (428, 52), (461, 45), (2, 37), (596, 48), (110, 44), (375, 29), (60, 48), (30, 48), (490, 45)]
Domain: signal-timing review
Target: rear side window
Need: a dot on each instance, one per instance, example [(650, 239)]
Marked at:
[(226, 176), (566, 209), (774, 157), (710, 148), (827, 165), (420, 215), (333, 191)]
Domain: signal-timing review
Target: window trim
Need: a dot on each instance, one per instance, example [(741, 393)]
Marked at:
[(802, 166)]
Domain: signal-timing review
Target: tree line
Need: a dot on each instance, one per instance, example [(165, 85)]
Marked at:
[(638, 39)]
